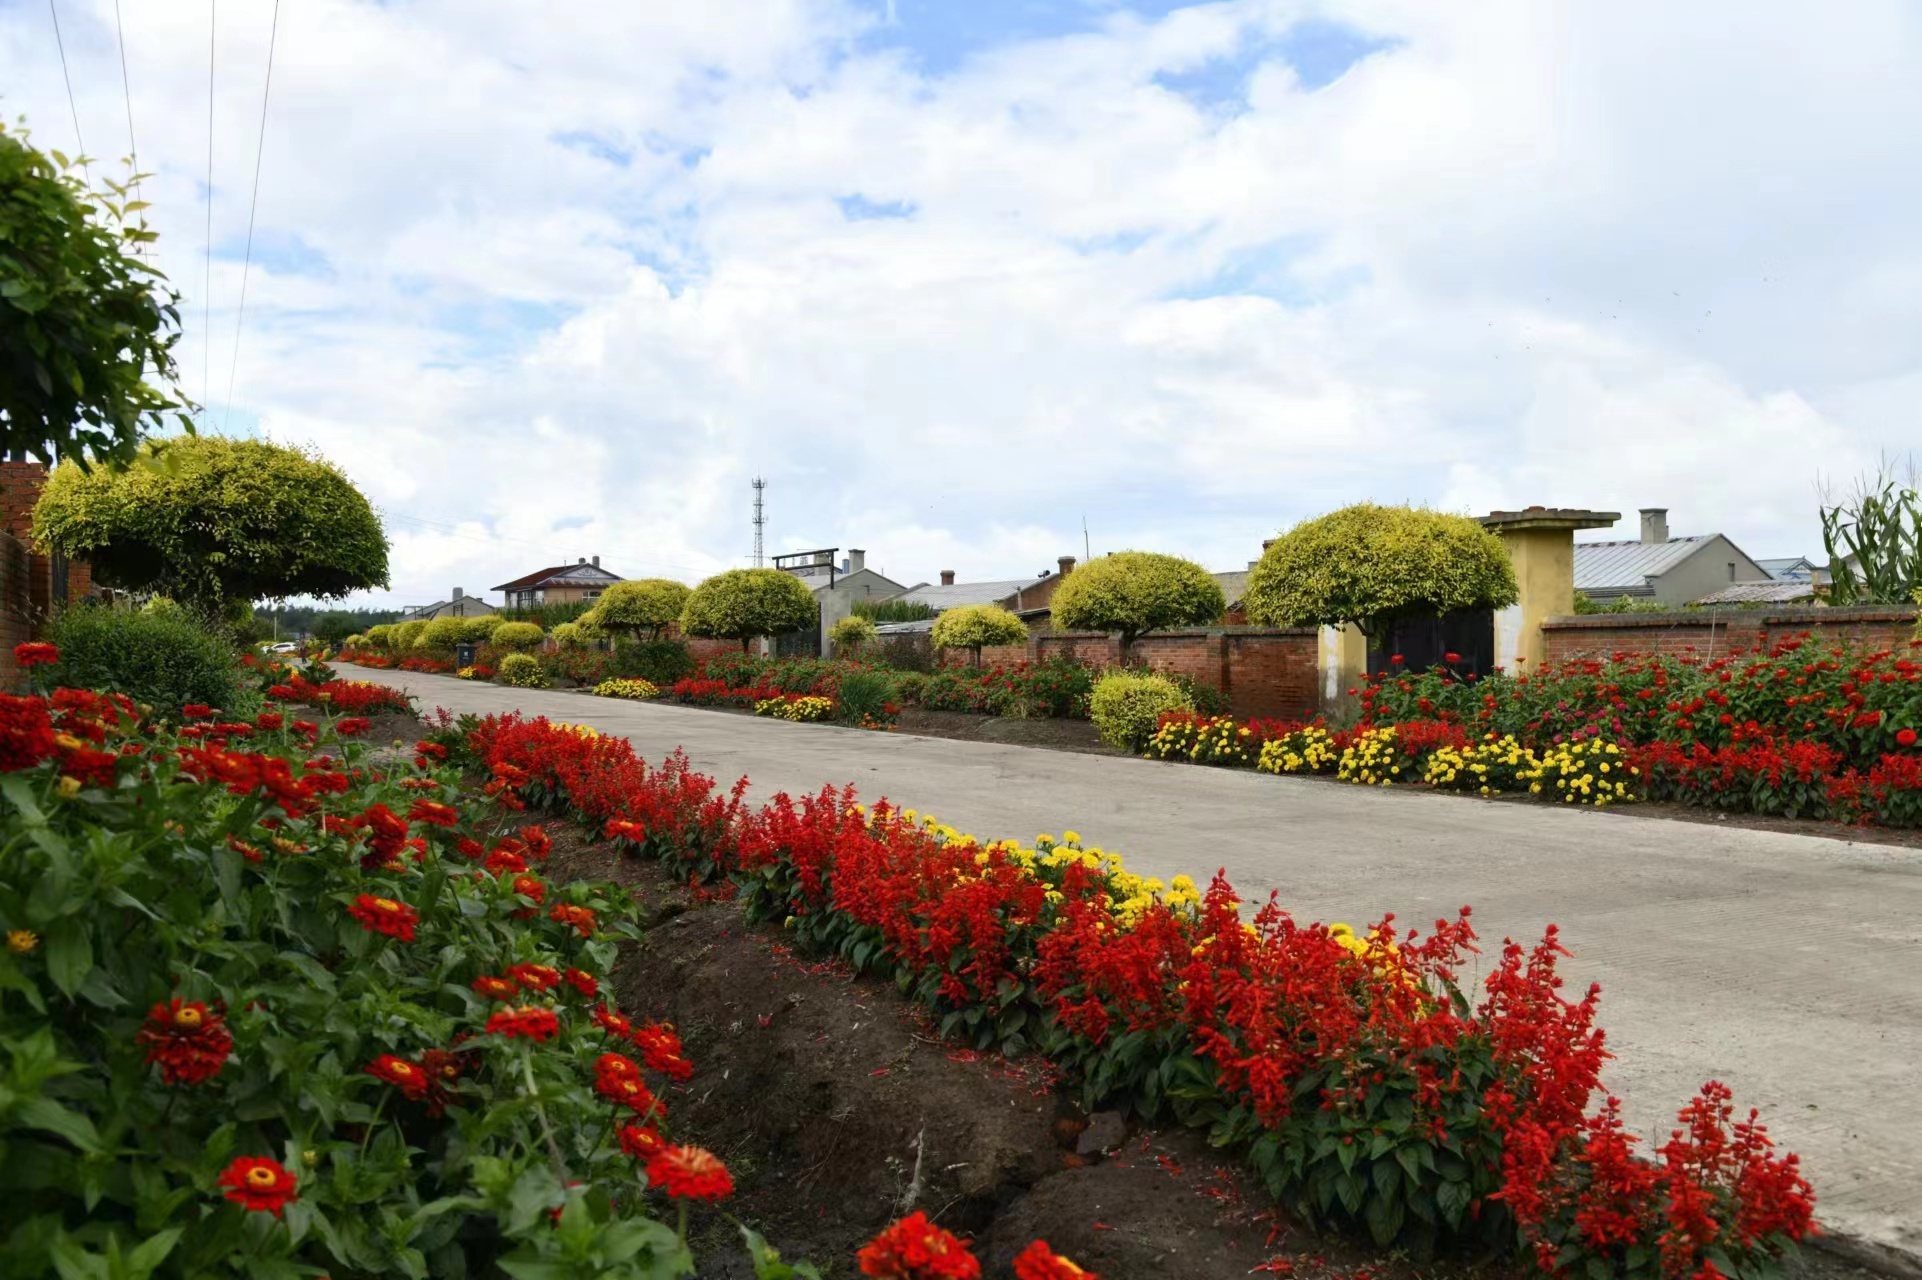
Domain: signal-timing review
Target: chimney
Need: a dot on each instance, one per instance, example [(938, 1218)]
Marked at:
[(582, 560), (947, 577), (458, 593), (857, 559), (597, 562), (1654, 524), (1067, 565)]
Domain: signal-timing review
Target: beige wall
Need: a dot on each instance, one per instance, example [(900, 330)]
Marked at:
[(1706, 571)]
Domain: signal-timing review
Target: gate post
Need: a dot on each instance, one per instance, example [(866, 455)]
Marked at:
[(1541, 546)]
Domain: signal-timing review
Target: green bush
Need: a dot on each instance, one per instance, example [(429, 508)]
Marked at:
[(380, 637), (1131, 593), (660, 662), (740, 604), (162, 658), (523, 670), (517, 635), (975, 626), (851, 634), (865, 695), (1126, 707), (570, 635), (1368, 565), (404, 634), (642, 608), (893, 610)]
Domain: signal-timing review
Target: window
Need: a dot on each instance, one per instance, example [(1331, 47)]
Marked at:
[(590, 595), (1731, 571)]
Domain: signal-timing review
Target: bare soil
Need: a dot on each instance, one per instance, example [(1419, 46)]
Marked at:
[(1055, 735)]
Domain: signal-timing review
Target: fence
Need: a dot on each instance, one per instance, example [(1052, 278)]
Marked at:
[(1702, 633)]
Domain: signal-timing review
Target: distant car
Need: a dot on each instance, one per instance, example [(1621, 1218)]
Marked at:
[(286, 646)]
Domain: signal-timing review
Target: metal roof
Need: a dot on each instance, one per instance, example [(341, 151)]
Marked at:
[(1759, 593), (938, 597), (1789, 568), (1628, 566), (916, 627)]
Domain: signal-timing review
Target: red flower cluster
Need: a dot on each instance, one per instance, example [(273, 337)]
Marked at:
[(186, 1040), (35, 654), (525, 1022), (1039, 1262), (618, 1079), (384, 915), (915, 1249), (689, 1173)]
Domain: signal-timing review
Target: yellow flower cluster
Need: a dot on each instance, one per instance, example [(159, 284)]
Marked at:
[(1587, 772), (1309, 750), (626, 689), (1491, 765), (468, 673), (799, 710), (1217, 740), (1373, 759)]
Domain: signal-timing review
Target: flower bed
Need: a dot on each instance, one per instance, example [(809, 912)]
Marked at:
[(1367, 1087)]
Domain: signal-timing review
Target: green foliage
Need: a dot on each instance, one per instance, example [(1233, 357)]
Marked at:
[(1874, 543), (864, 695), (87, 329), (404, 634), (1368, 565), (524, 671), (549, 616), (1126, 707), (660, 662), (645, 607), (893, 610), (517, 635), (288, 621), (164, 659), (334, 626), (379, 637), (852, 633), (1620, 604), (214, 522), (741, 604), (1131, 593), (976, 626), (570, 635)]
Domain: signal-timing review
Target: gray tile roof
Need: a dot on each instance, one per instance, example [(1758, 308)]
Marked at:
[(937, 597), (1760, 593), (1627, 566), (915, 627)]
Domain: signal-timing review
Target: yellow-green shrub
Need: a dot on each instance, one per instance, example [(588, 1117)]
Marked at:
[(645, 607), (404, 634), (523, 670), (441, 633), (975, 626), (1310, 749), (1126, 707), (570, 635), (517, 635), (380, 636), (626, 688), (854, 633), (1131, 593)]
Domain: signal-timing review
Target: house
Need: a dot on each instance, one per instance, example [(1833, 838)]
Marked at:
[(579, 583), (837, 584), (1792, 569), (461, 605), (1669, 570)]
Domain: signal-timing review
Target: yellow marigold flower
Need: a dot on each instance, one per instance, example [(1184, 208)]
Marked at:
[(1070, 837), (22, 941), (68, 787)]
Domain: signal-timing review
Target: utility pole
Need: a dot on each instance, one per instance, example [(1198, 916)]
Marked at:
[(1086, 555), (760, 520)]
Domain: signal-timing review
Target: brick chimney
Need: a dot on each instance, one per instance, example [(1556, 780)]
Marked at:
[(947, 577), (1654, 524), (1067, 565), (857, 559)]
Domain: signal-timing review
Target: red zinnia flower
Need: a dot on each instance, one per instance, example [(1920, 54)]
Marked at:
[(1039, 1262), (26, 732), (661, 1046), (35, 654), (630, 1092), (188, 1041), (468, 847), (527, 1022), (269, 720), (582, 982), (384, 915), (497, 988), (255, 1182), (531, 887), (641, 1140), (434, 813), (1905, 737), (581, 918), (196, 711), (916, 1249), (614, 1024), (538, 977), (352, 726), (689, 1173), (411, 1080)]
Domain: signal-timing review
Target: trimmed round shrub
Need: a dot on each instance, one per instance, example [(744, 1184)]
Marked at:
[(1368, 565), (644, 607), (517, 635), (1126, 708), (975, 626), (381, 636), (852, 633), (1131, 593), (404, 634), (441, 633), (569, 635), (479, 630), (162, 658), (523, 670), (740, 604)]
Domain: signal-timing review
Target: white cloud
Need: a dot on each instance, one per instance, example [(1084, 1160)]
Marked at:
[(584, 277)]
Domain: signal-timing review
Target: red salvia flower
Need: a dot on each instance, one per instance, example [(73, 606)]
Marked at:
[(689, 1173), (384, 915), (257, 1183), (188, 1041), (916, 1249)]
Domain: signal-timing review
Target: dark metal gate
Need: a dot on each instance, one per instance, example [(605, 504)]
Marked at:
[(1463, 641), (805, 643)]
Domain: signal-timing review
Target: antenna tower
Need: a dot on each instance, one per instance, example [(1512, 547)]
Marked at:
[(760, 520)]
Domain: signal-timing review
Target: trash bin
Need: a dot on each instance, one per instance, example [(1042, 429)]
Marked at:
[(464, 654)]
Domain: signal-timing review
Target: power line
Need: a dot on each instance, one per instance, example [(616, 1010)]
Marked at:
[(126, 89), (66, 75), (260, 149), (207, 273)]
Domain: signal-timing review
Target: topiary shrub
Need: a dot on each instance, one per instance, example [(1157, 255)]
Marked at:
[(1367, 565), (852, 634), (644, 607), (402, 637), (441, 633), (523, 670), (660, 662), (569, 635), (520, 636), (1126, 708), (741, 604), (163, 658), (380, 637), (1131, 593), (976, 626)]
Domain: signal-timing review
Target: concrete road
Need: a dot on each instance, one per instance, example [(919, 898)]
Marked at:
[(1787, 966)]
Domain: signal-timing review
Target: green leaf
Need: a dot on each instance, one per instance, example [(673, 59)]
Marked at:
[(69, 954), (48, 1115), (151, 1252)]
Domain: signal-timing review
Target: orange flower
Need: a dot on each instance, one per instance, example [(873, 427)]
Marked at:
[(255, 1182), (689, 1173), (581, 918), (496, 988), (1039, 1262)]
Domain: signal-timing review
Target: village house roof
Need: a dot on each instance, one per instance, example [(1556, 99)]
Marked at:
[(580, 571), (1601, 566)]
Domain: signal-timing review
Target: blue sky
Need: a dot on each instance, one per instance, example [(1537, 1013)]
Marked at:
[(955, 276)]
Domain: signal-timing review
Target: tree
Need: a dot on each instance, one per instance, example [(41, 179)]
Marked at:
[(975, 626), (1874, 542), (215, 523), (87, 329), (852, 634), (645, 607), (517, 635), (740, 604), (1368, 565), (334, 626), (1131, 593)]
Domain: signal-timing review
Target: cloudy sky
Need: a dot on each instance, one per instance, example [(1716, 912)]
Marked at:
[(556, 280)]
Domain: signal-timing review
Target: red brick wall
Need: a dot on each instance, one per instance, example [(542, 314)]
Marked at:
[(16, 610), (1265, 671), (1696, 633), (27, 590)]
